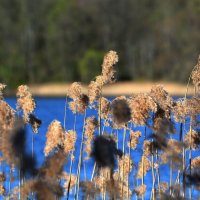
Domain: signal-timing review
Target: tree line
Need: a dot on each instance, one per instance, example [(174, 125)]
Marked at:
[(65, 40)]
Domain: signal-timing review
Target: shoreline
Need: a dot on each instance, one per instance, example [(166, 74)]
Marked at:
[(115, 89)]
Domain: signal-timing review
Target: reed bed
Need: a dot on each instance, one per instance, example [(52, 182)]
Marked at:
[(168, 135)]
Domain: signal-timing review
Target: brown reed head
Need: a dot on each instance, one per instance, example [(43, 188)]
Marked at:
[(90, 191), (69, 181), (134, 138), (105, 108), (2, 87), (35, 123), (196, 162), (121, 112), (110, 59), (69, 141), (180, 110), (94, 91), (192, 138), (104, 151), (55, 136), (144, 166), (7, 118), (196, 73), (25, 102), (140, 190), (75, 91), (141, 105), (162, 98)]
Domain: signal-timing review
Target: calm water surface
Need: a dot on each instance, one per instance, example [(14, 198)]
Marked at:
[(49, 109)]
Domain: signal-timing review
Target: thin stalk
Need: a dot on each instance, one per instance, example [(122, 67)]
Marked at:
[(93, 171), (80, 159), (171, 173), (190, 157), (99, 116), (129, 165), (153, 174), (68, 188), (65, 113), (71, 162), (124, 139), (158, 171), (143, 174)]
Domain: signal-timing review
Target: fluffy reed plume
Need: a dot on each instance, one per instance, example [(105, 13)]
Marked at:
[(105, 108), (55, 136), (69, 181), (143, 168), (141, 106), (163, 126), (110, 59), (121, 112), (175, 194), (94, 91), (35, 123), (148, 148), (140, 190), (103, 176), (164, 186), (162, 98), (195, 140), (69, 141), (89, 189), (25, 102), (2, 190), (45, 185), (7, 118), (172, 153), (2, 177), (180, 110), (2, 87), (196, 162), (175, 145), (43, 189), (134, 137), (91, 125), (193, 108), (105, 151), (196, 74), (80, 100), (111, 184), (107, 76), (75, 91), (125, 166)]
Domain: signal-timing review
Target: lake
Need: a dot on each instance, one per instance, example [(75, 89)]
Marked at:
[(49, 109)]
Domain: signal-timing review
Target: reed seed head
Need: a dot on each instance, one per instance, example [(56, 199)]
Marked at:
[(110, 59), (196, 162), (2, 87), (120, 111), (144, 166), (134, 137), (141, 105), (25, 102), (69, 141), (55, 136), (192, 138), (140, 190), (162, 98)]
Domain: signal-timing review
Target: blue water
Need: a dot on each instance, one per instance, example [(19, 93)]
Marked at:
[(49, 109)]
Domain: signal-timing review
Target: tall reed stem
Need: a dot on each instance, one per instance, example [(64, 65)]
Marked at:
[(80, 158)]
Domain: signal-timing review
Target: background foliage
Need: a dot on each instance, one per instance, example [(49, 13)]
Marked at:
[(63, 41)]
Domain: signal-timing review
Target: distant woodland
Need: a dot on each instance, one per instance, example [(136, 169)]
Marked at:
[(65, 40)]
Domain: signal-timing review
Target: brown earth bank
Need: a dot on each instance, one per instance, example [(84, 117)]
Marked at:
[(115, 89)]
